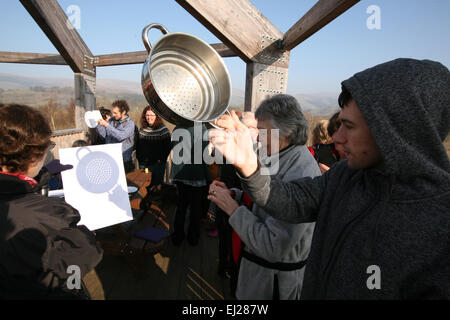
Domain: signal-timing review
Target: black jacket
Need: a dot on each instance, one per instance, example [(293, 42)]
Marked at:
[(39, 240)]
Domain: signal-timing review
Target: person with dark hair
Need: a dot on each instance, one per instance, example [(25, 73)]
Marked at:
[(322, 147), (191, 176), (333, 124), (332, 128), (79, 143), (106, 113), (39, 236), (153, 145), (230, 244), (119, 129), (382, 215), (93, 136), (274, 252)]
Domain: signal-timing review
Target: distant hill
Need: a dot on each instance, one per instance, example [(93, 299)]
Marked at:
[(37, 91), (318, 103)]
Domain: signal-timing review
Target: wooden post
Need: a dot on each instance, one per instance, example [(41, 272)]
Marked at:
[(263, 81), (84, 97)]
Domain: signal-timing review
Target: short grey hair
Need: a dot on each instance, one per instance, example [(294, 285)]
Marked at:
[(286, 115)]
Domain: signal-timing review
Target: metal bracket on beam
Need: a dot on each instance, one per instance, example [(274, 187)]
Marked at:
[(277, 77), (89, 66), (271, 52)]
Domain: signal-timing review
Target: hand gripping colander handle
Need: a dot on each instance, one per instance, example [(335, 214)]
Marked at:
[(145, 34), (216, 126)]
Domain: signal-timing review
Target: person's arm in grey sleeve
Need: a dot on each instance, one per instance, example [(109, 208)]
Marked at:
[(120, 133), (271, 239), (293, 202), (101, 130)]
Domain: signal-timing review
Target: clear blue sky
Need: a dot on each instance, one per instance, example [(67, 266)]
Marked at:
[(409, 28)]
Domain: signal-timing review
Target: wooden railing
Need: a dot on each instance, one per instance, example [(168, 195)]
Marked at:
[(65, 139)]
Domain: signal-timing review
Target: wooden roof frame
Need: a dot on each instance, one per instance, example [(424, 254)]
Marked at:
[(51, 18), (262, 46)]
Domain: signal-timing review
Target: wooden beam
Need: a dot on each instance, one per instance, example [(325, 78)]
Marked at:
[(322, 13), (263, 81), (31, 58), (241, 27), (120, 58), (53, 21), (223, 50), (140, 56)]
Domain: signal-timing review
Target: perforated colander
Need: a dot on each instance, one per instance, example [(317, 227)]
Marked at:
[(184, 78)]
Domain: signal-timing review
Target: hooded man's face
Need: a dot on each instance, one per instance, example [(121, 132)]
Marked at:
[(356, 139)]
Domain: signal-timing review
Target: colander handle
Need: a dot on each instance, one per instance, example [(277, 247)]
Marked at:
[(216, 126), (145, 34), (81, 149)]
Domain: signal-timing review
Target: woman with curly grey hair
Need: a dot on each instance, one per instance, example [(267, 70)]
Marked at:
[(275, 252)]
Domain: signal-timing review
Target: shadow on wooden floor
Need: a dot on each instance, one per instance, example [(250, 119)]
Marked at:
[(184, 272)]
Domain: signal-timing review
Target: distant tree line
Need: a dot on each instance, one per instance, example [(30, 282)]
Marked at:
[(58, 90)]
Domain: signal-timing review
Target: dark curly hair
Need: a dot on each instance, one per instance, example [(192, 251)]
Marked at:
[(334, 124), (105, 112), (122, 105), (25, 136), (143, 121), (344, 98)]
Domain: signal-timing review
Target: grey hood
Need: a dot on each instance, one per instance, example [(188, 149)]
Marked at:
[(406, 104)]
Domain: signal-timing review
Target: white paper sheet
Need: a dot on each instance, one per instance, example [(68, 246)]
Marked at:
[(97, 186), (91, 118)]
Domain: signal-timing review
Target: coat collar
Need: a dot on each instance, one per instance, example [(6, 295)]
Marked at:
[(11, 184)]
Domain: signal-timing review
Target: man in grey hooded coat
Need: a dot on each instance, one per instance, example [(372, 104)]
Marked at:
[(383, 216)]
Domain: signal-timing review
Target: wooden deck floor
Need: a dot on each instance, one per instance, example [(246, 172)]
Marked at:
[(184, 272)]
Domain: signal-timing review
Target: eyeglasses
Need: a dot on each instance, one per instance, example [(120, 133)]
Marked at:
[(51, 146)]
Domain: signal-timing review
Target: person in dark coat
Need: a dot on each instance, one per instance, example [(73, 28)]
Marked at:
[(94, 137), (43, 252), (190, 174), (382, 216)]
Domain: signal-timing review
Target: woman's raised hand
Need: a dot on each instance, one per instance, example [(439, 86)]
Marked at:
[(220, 195), (235, 143)]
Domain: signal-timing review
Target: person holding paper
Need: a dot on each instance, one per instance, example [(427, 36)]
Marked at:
[(119, 129), (43, 252)]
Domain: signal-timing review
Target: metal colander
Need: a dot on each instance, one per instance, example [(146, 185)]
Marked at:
[(184, 78)]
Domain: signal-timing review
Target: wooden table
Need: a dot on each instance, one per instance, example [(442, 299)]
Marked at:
[(121, 241), (141, 180)]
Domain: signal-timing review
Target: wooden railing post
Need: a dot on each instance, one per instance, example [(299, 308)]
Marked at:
[(84, 97)]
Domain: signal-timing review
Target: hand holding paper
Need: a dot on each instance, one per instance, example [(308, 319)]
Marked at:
[(92, 117)]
